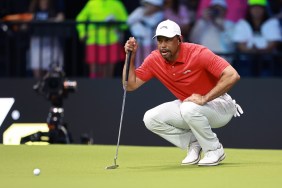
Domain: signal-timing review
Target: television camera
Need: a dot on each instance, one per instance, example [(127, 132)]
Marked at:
[(55, 88)]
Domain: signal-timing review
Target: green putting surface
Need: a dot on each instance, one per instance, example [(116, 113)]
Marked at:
[(84, 166)]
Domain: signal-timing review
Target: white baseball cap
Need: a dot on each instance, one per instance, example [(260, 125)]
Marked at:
[(168, 29), (153, 2), (219, 2)]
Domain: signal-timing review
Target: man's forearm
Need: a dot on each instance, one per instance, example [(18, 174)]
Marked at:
[(225, 83), (131, 76)]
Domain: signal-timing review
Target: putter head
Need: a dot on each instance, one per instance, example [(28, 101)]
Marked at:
[(112, 167)]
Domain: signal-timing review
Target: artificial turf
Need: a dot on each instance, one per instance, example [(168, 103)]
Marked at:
[(83, 166)]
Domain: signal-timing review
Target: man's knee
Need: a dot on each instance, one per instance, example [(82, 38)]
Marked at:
[(190, 111), (149, 119)]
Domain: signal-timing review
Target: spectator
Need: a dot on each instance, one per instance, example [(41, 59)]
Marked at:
[(192, 6), (237, 9), (142, 22), (103, 41), (258, 36), (176, 11), (45, 48), (213, 30)]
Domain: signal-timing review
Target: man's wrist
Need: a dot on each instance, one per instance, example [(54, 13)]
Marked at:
[(204, 99)]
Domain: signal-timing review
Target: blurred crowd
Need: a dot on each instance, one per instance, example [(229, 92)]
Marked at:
[(247, 33)]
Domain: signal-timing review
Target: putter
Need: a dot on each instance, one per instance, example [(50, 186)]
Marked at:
[(115, 165)]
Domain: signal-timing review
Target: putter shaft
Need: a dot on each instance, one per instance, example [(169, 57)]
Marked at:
[(122, 110)]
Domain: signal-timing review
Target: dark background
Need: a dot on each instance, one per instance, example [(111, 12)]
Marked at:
[(94, 109)]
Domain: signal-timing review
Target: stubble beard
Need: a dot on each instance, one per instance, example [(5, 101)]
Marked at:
[(167, 56)]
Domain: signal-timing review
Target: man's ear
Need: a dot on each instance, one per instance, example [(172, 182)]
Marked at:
[(180, 39)]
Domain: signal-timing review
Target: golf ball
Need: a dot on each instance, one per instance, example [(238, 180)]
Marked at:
[(36, 171)]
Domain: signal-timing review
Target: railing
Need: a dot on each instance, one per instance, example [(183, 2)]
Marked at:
[(15, 39), (256, 64)]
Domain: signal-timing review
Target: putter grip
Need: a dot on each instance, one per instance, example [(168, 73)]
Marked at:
[(128, 65)]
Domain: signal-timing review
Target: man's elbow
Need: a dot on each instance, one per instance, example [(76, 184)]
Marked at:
[(237, 77), (233, 74)]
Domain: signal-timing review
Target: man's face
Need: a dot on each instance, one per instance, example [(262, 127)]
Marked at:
[(257, 12), (168, 47), (43, 4)]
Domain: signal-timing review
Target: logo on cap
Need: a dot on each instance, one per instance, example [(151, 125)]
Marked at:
[(168, 29)]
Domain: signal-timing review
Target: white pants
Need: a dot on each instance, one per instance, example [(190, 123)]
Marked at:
[(45, 51), (184, 122)]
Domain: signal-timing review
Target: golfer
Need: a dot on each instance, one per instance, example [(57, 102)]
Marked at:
[(199, 80)]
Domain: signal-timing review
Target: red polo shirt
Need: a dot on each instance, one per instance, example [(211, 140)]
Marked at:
[(196, 70)]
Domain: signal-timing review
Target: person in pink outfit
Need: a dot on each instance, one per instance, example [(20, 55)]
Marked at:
[(214, 31), (237, 11)]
